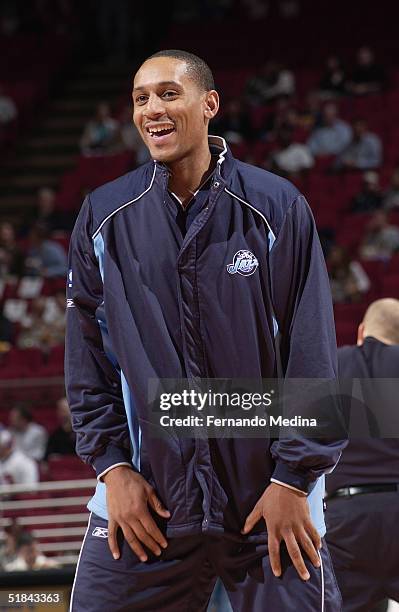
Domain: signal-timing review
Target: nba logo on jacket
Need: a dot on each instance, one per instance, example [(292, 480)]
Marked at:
[(244, 263)]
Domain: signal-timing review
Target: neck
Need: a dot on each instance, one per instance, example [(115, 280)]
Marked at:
[(187, 174)]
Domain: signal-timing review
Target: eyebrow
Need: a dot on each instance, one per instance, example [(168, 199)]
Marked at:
[(160, 84)]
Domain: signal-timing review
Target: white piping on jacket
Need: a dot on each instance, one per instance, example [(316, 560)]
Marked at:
[(126, 204), (233, 195)]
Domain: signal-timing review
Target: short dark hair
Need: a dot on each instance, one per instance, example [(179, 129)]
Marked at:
[(196, 67), (24, 412)]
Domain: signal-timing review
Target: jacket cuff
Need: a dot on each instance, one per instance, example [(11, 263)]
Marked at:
[(112, 456), (297, 479)]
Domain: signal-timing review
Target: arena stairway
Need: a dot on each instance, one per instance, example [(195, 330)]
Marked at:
[(51, 147)]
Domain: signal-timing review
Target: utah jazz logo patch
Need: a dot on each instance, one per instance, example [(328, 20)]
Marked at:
[(244, 263)]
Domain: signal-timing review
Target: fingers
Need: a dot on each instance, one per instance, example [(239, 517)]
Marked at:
[(134, 543), (147, 539), (251, 521), (152, 529), (274, 555), (296, 556), (314, 535), (308, 546), (112, 539), (156, 504)]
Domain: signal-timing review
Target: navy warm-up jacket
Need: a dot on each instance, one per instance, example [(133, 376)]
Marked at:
[(146, 302)]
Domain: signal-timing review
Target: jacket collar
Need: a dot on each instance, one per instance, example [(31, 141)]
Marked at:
[(217, 146)]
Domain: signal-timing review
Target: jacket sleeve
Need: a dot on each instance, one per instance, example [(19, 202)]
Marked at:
[(303, 309), (93, 383)]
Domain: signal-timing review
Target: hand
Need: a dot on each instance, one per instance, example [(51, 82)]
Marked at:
[(287, 518), (128, 497)]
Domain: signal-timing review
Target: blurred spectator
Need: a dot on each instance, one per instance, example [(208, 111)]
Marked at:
[(367, 76), (131, 139), (234, 125), (333, 136), (364, 152), (381, 239), (44, 326), (11, 258), (62, 440), (8, 550), (291, 157), (391, 197), (45, 257), (311, 116), (47, 213), (333, 81), (29, 437), (8, 110), (6, 331), (100, 136), (15, 466), (370, 197), (283, 116), (28, 556), (272, 81), (348, 279)]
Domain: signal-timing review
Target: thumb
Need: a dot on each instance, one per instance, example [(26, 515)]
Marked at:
[(156, 505), (251, 521)]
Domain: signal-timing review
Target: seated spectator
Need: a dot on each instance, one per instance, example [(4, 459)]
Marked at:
[(62, 440), (28, 556), (391, 197), (100, 136), (333, 136), (47, 213), (271, 82), (311, 116), (7, 331), (8, 549), (348, 280), (44, 326), (15, 466), (29, 437), (45, 257), (333, 81), (364, 152), (381, 239), (282, 117), (367, 76), (11, 258), (234, 125), (131, 139), (8, 110), (370, 197), (292, 157)]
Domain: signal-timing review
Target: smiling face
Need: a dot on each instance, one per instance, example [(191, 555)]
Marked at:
[(170, 110)]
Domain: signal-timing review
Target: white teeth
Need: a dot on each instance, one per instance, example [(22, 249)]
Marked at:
[(160, 128)]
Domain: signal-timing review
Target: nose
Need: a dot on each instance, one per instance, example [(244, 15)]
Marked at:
[(155, 107)]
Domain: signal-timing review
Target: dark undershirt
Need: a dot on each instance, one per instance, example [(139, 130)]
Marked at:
[(185, 216)]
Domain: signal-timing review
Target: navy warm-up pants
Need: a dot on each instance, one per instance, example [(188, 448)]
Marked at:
[(185, 574), (363, 537)]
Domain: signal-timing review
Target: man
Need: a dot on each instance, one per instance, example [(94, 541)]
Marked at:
[(29, 556), (363, 490), (29, 437), (364, 152), (332, 136), (62, 440), (15, 466), (152, 293)]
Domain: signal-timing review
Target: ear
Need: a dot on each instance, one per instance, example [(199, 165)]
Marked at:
[(211, 103), (360, 334)]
